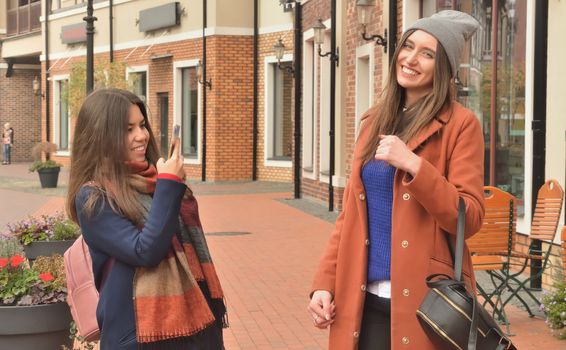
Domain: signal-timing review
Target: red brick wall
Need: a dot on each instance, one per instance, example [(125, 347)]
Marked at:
[(265, 48), (351, 40), (21, 108), (229, 102)]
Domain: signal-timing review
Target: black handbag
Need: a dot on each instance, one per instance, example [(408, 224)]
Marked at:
[(451, 316)]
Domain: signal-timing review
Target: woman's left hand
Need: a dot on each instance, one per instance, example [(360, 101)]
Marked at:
[(395, 152)]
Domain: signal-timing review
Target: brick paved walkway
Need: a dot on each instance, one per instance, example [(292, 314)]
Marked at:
[(265, 251)]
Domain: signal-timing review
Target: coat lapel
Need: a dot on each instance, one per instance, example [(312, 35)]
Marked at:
[(431, 129)]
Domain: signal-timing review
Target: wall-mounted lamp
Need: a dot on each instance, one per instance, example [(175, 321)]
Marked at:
[(206, 83), (37, 88), (319, 29), (365, 9), (287, 5), (279, 50)]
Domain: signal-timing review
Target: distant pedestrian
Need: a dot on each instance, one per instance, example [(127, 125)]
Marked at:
[(158, 286), (7, 144), (418, 152)]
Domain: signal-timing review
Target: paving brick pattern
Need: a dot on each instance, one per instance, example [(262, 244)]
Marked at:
[(266, 273)]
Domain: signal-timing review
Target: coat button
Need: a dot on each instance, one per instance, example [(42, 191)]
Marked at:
[(356, 334), (405, 292), (367, 242), (405, 340), (405, 244), (362, 197), (363, 287), (406, 196)]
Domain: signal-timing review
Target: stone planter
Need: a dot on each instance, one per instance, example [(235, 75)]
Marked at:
[(37, 327), (48, 177), (46, 248)]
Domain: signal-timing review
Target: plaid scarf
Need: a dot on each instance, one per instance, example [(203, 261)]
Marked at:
[(168, 299)]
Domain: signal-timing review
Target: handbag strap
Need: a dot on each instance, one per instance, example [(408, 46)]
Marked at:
[(457, 257), (459, 240)]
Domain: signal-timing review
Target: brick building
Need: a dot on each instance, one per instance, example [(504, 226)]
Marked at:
[(240, 125), (20, 47)]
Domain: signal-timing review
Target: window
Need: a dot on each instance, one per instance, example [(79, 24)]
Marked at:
[(278, 135), (61, 113), (324, 115), (309, 112), (281, 132), (186, 109), (364, 82), (189, 112), (505, 148), (137, 76), (23, 16)]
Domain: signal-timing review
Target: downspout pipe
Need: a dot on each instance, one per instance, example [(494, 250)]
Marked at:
[(47, 90), (204, 87), (493, 102), (255, 92), (539, 118), (332, 104), (392, 40), (298, 74), (111, 28)]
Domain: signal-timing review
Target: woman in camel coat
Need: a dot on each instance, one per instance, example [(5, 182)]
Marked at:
[(418, 151)]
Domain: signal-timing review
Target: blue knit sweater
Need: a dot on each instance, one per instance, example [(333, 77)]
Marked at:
[(377, 177)]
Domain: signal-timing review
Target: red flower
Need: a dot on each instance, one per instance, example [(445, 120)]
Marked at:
[(46, 277), (17, 260), (3, 262)]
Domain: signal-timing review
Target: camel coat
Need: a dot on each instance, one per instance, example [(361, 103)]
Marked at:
[(425, 208)]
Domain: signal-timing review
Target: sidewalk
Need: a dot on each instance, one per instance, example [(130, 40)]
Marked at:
[(265, 250)]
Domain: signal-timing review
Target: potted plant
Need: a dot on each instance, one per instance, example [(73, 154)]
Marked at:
[(554, 307), (47, 168), (32, 301), (46, 235)]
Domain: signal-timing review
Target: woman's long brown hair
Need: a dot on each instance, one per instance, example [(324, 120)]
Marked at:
[(390, 105), (99, 153)]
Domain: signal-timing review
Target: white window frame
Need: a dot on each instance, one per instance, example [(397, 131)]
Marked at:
[(324, 109), (178, 105), (140, 69), (310, 108), (270, 64), (364, 82), (56, 80), (524, 223)]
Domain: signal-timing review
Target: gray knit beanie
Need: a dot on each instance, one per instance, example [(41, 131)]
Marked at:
[(451, 29)]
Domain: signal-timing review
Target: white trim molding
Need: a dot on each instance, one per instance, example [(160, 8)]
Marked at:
[(270, 64), (177, 105)]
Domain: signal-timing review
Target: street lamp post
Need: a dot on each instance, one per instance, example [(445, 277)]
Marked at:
[(89, 19)]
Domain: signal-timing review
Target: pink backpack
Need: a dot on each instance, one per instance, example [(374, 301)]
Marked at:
[(82, 295)]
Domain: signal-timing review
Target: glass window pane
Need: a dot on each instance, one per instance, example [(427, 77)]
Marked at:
[(189, 113), (140, 85), (477, 81), (282, 142), (63, 116)]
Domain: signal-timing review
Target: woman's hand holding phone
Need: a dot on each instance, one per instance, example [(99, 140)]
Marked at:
[(173, 165)]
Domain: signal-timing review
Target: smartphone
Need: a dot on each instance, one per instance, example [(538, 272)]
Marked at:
[(174, 135)]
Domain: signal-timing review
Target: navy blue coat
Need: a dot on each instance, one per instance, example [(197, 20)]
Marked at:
[(109, 234)]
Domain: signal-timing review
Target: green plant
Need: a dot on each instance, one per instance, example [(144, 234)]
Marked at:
[(46, 228), (21, 284), (41, 153), (554, 307), (74, 334), (10, 246), (106, 74)]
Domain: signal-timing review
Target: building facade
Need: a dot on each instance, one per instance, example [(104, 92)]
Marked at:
[(20, 48), (238, 117)]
